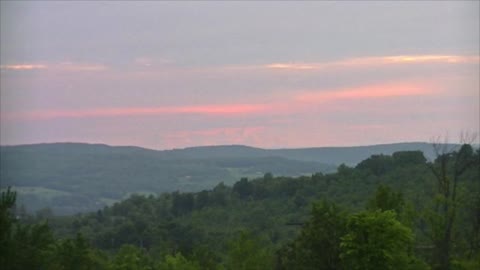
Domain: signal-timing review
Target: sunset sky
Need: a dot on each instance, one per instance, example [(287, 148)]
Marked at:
[(168, 75)]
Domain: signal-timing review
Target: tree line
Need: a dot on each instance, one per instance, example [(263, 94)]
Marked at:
[(388, 212)]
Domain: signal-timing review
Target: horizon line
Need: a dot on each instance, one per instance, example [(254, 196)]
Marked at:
[(226, 145)]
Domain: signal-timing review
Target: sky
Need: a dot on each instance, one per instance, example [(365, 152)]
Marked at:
[(166, 75)]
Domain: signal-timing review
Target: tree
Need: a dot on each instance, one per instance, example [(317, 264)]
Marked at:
[(246, 253), (386, 199), (30, 246), (130, 257), (201, 199), (268, 176), (21, 246), (219, 195), (178, 262), (206, 258), (376, 240), (182, 203), (243, 188), (448, 167), (404, 158), (376, 164), (7, 201), (318, 246), (75, 254)]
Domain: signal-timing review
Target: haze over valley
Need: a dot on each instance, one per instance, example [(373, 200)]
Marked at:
[(75, 177)]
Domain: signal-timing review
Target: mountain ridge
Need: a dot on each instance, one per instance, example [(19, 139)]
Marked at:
[(75, 177)]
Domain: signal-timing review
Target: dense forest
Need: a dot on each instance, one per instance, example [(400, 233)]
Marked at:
[(396, 211), (71, 178)]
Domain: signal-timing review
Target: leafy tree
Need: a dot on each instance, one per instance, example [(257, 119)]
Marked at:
[(130, 257), (404, 158), (22, 246), (268, 176), (30, 245), (448, 168), (182, 203), (74, 254), (376, 164), (243, 188), (318, 246), (219, 194), (192, 235), (386, 199), (202, 199), (178, 262), (7, 201), (246, 253), (376, 240), (206, 258)]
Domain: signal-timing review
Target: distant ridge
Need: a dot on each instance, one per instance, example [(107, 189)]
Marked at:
[(76, 177), (335, 155)]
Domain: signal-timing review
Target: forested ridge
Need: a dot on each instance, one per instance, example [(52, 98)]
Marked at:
[(396, 211), (76, 177)]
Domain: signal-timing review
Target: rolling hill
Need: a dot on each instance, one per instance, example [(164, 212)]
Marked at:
[(77, 177)]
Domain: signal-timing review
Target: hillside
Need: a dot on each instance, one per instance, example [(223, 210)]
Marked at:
[(270, 221), (328, 155), (77, 177)]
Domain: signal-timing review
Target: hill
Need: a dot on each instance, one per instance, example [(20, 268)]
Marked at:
[(350, 155), (77, 177), (277, 222)]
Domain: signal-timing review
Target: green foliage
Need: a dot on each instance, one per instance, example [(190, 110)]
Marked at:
[(32, 246), (318, 246), (178, 262), (202, 199), (74, 254), (28, 247), (243, 188), (472, 263), (376, 240), (187, 230), (182, 203), (72, 178), (183, 222), (404, 158), (246, 253), (454, 172), (377, 164), (386, 199), (130, 257), (22, 246), (7, 201)]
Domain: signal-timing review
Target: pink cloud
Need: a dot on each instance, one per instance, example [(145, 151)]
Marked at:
[(63, 66), (366, 92), (23, 67), (219, 110), (294, 66), (375, 61), (356, 62)]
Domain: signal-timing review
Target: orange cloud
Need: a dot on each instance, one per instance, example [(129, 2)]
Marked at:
[(220, 110), (376, 61), (365, 92), (292, 66), (431, 59), (64, 66), (23, 67)]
